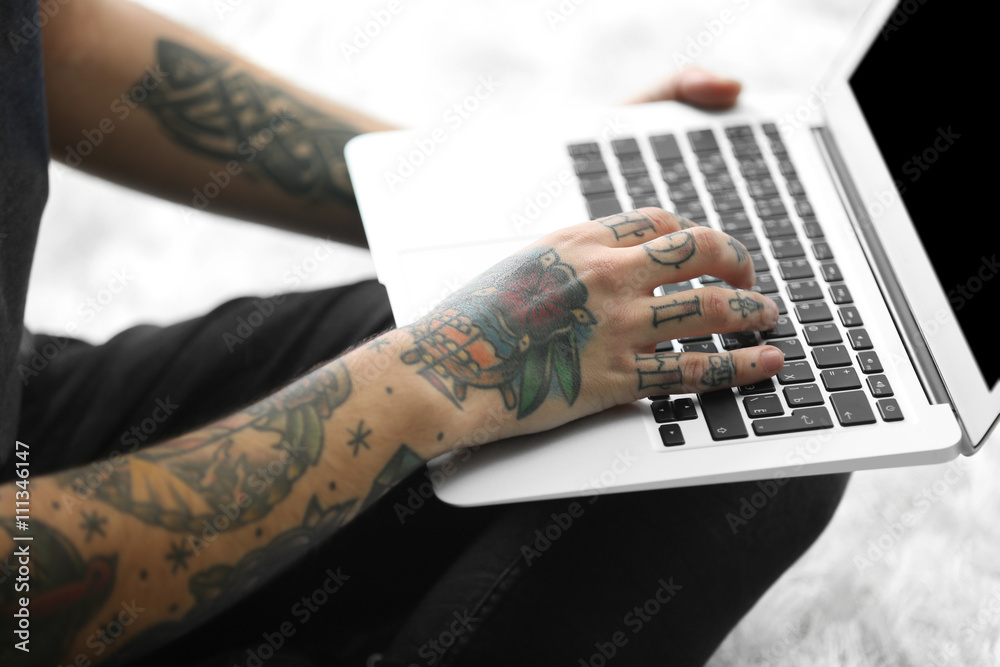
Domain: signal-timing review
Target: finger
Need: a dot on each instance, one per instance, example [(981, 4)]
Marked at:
[(695, 87), (696, 372), (694, 252), (631, 228), (703, 311)]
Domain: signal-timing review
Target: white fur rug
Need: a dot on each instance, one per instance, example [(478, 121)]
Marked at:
[(868, 593)]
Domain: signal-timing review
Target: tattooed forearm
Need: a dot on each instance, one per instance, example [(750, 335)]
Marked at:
[(213, 108), (676, 311), (660, 370), (181, 485), (744, 305), (721, 371), (629, 223), (672, 249), (522, 339)]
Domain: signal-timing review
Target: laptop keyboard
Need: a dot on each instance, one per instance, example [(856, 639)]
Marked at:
[(832, 375)]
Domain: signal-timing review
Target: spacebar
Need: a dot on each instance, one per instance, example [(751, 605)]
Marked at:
[(725, 421), (803, 419)]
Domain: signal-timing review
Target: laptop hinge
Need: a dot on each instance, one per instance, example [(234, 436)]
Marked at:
[(902, 315)]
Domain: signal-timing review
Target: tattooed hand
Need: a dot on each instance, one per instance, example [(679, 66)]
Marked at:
[(568, 326)]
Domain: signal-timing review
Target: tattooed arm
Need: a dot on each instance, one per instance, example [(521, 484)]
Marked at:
[(145, 102)]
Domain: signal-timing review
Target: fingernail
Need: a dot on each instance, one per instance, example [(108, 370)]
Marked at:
[(773, 360)]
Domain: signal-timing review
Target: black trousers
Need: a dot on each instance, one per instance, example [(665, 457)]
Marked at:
[(651, 578)]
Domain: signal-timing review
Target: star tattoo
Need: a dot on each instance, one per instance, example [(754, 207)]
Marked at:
[(179, 553), (93, 525), (359, 437)]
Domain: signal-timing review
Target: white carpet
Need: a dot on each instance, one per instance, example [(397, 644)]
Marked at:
[(932, 597)]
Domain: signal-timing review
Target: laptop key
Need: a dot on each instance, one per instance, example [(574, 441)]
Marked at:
[(601, 207), (803, 395), (674, 288), (803, 207), (889, 409), (665, 346), (780, 303), (736, 221), (712, 163), (795, 372), (812, 229), (840, 379), (831, 356), (794, 186), (719, 183), (738, 340), (584, 150), (665, 147), (759, 262), (747, 238), (706, 347), (754, 388), (722, 414), (852, 408), (807, 290), (761, 187), (692, 210), (682, 190), (662, 411), (822, 334), (810, 312), (640, 185), (788, 248), (783, 329), (859, 339), (791, 347), (703, 141), (684, 409), (671, 435), (588, 165), (849, 316), (780, 227), (879, 386), (831, 272), (625, 146), (739, 131), (596, 184), (795, 269), (646, 200), (869, 362), (840, 294), (765, 284), (674, 171), (821, 250), (804, 419), (768, 405)]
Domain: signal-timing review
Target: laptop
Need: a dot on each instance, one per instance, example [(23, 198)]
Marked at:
[(859, 201)]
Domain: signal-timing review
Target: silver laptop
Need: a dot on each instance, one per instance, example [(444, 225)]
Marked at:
[(858, 200)]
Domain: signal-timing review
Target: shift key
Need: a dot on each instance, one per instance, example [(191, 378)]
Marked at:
[(803, 419), (723, 415)]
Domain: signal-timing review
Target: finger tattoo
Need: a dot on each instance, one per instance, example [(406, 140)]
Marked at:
[(630, 223), (676, 311), (744, 305), (680, 248), (721, 371), (660, 370)]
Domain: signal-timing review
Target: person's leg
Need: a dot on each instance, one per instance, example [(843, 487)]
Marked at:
[(651, 578)]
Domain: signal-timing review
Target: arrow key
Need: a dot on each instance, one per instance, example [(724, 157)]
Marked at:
[(852, 408)]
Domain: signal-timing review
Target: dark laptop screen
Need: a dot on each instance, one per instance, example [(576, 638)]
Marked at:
[(924, 87)]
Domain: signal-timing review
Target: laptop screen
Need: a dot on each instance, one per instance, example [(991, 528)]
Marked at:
[(925, 104)]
